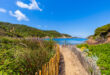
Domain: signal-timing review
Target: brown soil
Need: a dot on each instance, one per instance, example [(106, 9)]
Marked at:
[(70, 64)]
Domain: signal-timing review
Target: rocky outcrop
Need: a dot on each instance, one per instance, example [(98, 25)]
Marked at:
[(99, 41), (91, 41)]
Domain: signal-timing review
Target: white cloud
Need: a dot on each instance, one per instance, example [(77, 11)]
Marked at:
[(19, 15), (3, 10), (32, 5)]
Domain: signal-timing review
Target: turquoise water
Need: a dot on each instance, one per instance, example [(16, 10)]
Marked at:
[(69, 41)]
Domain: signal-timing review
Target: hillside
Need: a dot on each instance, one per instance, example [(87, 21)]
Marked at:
[(17, 30), (98, 48), (102, 32), (101, 35)]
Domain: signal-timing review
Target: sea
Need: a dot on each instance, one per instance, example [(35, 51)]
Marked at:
[(69, 41)]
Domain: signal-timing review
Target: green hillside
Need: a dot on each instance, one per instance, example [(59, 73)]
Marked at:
[(101, 50), (21, 56), (101, 32), (17, 30)]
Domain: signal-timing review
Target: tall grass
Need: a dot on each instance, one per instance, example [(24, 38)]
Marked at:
[(24, 56)]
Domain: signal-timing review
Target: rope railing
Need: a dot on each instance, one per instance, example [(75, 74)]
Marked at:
[(51, 67)]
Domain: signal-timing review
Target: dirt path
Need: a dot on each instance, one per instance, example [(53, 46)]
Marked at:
[(70, 65)]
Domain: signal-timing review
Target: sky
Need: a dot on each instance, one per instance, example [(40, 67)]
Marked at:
[(78, 18)]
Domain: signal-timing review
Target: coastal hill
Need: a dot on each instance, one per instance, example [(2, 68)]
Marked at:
[(101, 35), (102, 32), (17, 30)]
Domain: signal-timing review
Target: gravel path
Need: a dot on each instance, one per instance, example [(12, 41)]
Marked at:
[(70, 65)]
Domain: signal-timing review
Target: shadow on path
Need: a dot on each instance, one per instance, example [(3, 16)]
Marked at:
[(61, 65)]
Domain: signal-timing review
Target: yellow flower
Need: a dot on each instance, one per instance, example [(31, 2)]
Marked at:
[(83, 48)]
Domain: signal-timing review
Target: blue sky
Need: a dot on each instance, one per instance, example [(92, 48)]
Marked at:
[(75, 17)]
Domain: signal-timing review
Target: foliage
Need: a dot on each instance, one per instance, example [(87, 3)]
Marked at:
[(102, 51), (24, 56), (19, 56), (102, 31), (82, 45), (17, 30), (66, 35)]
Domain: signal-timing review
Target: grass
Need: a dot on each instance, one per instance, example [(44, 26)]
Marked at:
[(102, 51), (24, 57)]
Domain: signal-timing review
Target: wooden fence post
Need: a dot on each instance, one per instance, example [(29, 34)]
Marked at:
[(36, 73), (40, 72), (50, 70), (47, 69), (52, 67)]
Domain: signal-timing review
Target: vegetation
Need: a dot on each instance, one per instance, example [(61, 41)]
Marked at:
[(66, 35), (20, 56), (102, 51), (16, 30), (101, 32), (24, 57), (83, 45)]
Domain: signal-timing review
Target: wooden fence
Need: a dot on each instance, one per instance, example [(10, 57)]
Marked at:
[(52, 67)]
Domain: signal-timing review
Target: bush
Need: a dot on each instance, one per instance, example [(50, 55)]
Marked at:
[(82, 45), (23, 56), (102, 51)]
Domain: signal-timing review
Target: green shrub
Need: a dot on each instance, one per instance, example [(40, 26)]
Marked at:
[(102, 51), (82, 45), (23, 56)]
